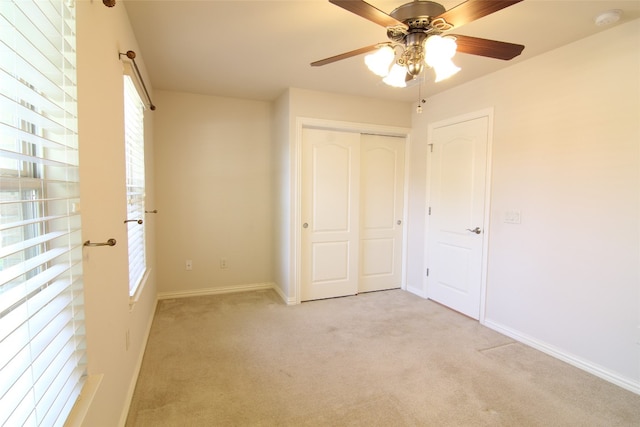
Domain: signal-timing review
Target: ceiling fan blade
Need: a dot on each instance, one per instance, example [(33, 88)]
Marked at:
[(367, 11), (490, 48), (474, 9), (345, 55)]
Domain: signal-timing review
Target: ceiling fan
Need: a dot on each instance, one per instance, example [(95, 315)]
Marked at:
[(417, 29)]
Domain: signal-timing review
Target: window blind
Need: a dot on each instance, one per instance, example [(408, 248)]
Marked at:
[(42, 340), (134, 145)]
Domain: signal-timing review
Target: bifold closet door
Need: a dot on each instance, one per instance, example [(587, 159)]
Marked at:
[(329, 213)]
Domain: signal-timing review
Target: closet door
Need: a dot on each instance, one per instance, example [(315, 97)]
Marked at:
[(381, 212), (329, 213)]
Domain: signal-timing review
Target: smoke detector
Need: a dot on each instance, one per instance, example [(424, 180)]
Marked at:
[(609, 17)]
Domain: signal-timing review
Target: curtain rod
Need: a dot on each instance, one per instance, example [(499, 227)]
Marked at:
[(132, 56)]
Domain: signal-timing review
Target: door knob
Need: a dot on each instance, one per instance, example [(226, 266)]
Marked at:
[(305, 225), (475, 230)]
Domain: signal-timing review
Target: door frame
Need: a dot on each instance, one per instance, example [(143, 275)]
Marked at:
[(296, 186), (488, 113)]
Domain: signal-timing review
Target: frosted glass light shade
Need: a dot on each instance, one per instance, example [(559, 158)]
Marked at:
[(444, 70), (397, 76), (438, 54), (380, 61)]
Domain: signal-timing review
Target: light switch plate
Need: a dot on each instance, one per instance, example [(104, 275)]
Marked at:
[(512, 216)]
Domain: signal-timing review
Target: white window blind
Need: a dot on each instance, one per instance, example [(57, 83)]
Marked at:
[(134, 144), (42, 343)]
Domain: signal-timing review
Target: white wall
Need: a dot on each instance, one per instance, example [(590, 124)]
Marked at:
[(214, 193), (291, 106), (566, 154), (346, 108), (101, 33), (281, 192)]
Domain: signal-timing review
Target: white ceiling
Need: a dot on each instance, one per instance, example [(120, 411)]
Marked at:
[(257, 49)]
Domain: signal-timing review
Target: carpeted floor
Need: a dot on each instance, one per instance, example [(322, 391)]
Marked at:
[(378, 359)]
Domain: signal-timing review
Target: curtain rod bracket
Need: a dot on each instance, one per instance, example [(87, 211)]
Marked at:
[(132, 56)]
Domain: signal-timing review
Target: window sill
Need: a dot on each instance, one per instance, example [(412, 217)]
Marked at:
[(133, 299), (81, 408)]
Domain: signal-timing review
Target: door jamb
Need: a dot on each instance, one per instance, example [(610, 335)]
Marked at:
[(487, 112), (296, 200)]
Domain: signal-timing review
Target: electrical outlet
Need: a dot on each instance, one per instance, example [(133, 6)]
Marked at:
[(188, 265), (223, 263)]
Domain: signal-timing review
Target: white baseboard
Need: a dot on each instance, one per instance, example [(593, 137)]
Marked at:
[(228, 290), (287, 300), (218, 290), (417, 291), (136, 370), (626, 383)]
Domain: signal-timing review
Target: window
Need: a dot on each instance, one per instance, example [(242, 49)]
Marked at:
[(42, 344), (134, 145)]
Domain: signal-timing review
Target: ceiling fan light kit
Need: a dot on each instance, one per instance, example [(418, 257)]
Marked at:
[(439, 52), (436, 52), (379, 62), (417, 31), (396, 77)]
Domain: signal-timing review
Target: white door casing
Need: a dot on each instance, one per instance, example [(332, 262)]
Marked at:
[(458, 203)]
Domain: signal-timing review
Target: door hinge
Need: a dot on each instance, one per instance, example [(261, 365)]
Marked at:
[(431, 148), (429, 210), (427, 272)]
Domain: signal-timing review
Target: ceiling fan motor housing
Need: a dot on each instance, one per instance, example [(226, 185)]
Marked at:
[(417, 10), (417, 15)]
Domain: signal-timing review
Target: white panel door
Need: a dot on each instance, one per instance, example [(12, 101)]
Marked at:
[(381, 211), (329, 213), (456, 199)]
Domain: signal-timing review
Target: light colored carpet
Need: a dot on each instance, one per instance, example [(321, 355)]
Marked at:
[(378, 359)]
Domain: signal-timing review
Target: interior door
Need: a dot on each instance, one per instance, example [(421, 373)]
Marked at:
[(381, 212), (456, 200), (329, 213)]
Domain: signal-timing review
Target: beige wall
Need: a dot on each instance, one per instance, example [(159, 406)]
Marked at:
[(223, 180), (566, 154), (101, 33), (214, 193)]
